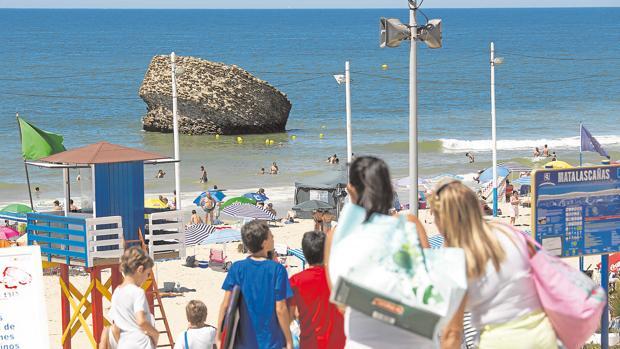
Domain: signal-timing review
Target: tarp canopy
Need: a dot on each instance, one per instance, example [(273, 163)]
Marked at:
[(102, 153), (330, 180)]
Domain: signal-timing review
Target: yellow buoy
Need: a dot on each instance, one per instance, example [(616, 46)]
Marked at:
[(217, 136), (321, 136), (267, 141), (384, 66), (271, 142), (293, 137), (239, 140)]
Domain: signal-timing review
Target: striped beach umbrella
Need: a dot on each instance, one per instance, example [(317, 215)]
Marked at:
[(222, 236), (195, 234), (247, 211), (436, 241)]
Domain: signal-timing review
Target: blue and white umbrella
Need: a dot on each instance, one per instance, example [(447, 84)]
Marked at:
[(256, 196), (194, 234), (523, 181), (247, 211), (217, 195), (222, 236), (487, 175), (436, 241)]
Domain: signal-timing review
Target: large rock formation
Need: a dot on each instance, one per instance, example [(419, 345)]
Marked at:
[(213, 98)]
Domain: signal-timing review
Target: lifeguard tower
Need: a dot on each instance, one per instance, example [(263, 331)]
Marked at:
[(93, 240)]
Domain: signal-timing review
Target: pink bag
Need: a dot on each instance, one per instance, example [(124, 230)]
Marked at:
[(572, 301)]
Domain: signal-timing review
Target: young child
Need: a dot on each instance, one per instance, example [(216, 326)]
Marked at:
[(130, 310), (198, 334)]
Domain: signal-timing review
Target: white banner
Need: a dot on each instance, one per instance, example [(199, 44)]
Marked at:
[(23, 315)]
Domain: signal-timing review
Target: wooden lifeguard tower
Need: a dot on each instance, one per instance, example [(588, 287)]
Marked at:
[(94, 241)]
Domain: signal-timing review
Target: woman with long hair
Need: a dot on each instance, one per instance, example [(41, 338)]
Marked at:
[(501, 294), (370, 187)]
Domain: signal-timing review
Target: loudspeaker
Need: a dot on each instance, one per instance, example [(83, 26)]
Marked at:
[(393, 32)]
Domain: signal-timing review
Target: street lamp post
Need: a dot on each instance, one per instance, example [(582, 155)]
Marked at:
[(392, 33), (175, 126), (347, 77), (494, 61)]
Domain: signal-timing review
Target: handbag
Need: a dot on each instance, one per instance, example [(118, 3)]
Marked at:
[(378, 268), (572, 301)]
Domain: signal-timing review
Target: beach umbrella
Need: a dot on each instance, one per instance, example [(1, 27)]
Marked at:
[(247, 211), (527, 180), (155, 203), (558, 164), (16, 208), (238, 199), (487, 175), (222, 236), (8, 232), (436, 241), (217, 195), (195, 233), (256, 196), (313, 205)]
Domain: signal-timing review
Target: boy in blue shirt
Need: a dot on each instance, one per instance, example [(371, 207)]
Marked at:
[(263, 314)]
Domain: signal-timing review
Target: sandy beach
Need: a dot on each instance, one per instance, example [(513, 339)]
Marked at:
[(205, 284)]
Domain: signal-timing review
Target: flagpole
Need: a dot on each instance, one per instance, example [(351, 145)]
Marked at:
[(25, 165), (581, 164)]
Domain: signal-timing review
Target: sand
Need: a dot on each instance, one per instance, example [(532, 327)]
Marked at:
[(205, 284)]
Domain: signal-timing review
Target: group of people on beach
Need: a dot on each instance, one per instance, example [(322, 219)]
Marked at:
[(501, 296)]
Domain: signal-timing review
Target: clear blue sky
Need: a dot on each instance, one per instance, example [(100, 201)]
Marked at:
[(297, 3)]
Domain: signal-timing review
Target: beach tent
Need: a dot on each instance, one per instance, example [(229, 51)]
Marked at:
[(328, 187)]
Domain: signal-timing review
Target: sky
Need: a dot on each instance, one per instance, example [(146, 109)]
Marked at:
[(266, 4)]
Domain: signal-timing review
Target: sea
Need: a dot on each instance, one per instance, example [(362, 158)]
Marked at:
[(77, 73)]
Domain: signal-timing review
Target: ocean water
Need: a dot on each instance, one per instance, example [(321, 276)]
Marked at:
[(77, 73)]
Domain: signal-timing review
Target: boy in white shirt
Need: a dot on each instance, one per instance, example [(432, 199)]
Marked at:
[(198, 334)]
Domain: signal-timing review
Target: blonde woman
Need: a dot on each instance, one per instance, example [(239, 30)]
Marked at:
[(501, 294)]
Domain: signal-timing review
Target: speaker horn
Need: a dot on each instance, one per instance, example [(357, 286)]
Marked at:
[(393, 32), (431, 33)]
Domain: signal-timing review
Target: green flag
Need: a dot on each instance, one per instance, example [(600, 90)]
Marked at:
[(36, 143)]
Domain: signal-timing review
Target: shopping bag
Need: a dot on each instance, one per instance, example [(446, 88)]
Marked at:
[(572, 301), (378, 268)]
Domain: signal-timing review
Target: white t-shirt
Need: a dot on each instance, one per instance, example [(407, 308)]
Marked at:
[(126, 302), (500, 297), (197, 338)]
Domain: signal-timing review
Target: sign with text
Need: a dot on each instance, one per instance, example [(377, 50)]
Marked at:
[(576, 211), (23, 314)]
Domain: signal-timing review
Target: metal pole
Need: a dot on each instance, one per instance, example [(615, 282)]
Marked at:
[(65, 172), (347, 76), (580, 164), (413, 113), (493, 130), (175, 122), (605, 315)]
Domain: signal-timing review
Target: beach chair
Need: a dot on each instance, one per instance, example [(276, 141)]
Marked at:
[(281, 251), (217, 257)]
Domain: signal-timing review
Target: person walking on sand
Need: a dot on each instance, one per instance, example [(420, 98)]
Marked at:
[(203, 175), (274, 169), (263, 314), (501, 294), (320, 322), (130, 309), (370, 187), (514, 207), (198, 335)]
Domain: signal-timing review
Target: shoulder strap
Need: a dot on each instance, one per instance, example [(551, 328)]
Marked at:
[(186, 342)]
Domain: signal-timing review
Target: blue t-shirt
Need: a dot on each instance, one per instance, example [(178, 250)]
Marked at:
[(262, 283)]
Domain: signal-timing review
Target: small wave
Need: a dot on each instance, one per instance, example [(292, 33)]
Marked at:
[(403, 147), (457, 145)]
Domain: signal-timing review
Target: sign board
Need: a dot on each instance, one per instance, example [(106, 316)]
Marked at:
[(23, 314), (320, 195), (576, 211)]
